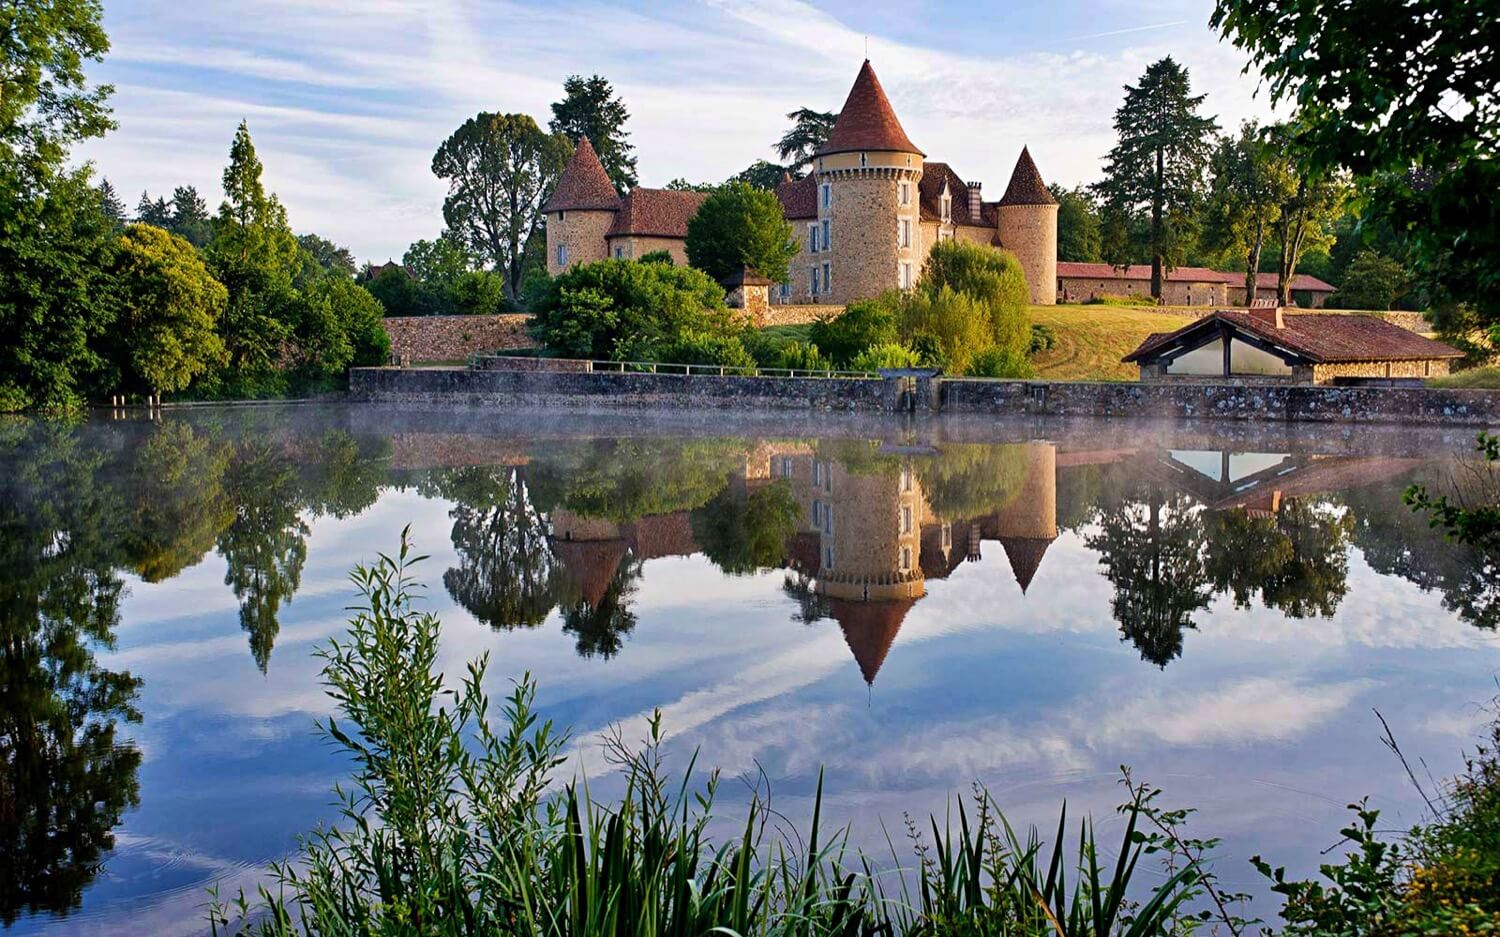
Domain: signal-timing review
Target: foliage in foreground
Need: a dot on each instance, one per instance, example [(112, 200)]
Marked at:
[(452, 826)]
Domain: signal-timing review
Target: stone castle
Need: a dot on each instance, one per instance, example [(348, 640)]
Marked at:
[(864, 218)]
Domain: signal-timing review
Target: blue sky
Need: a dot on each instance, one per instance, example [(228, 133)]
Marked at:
[(348, 100)]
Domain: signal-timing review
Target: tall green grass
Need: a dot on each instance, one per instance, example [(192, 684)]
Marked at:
[(451, 824)]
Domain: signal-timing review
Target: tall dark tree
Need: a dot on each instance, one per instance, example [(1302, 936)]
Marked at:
[(599, 630), (499, 168), (506, 576), (1156, 169), (761, 175), (590, 108), (739, 227), (1402, 96), (156, 212), (810, 130), (113, 208), (1152, 551)]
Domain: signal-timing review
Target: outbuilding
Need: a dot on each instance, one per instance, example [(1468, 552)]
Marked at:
[(1301, 348)]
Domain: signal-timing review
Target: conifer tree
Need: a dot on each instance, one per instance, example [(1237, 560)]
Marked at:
[(1157, 168), (590, 108)]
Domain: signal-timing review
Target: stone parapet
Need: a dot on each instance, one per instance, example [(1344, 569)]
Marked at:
[(454, 338)]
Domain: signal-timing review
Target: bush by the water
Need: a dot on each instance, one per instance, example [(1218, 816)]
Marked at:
[(626, 310)]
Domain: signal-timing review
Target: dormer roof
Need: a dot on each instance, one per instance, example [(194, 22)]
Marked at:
[(583, 185), (867, 121), (1026, 185)]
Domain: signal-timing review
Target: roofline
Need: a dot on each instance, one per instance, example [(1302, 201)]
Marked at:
[(1269, 336)]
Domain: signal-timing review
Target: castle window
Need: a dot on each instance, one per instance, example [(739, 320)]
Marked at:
[(561, 215), (906, 479), (905, 559), (827, 240), (905, 189), (562, 255), (906, 519), (947, 209), (619, 253), (826, 194), (786, 291), (828, 557), (827, 278), (817, 520), (906, 232), (812, 239), (814, 272), (905, 276), (863, 160)]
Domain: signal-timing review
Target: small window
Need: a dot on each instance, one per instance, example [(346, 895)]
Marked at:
[(619, 253), (812, 239), (814, 272), (906, 276), (561, 215), (905, 189), (786, 291), (562, 255), (827, 277), (817, 520), (906, 232), (827, 241), (947, 209), (828, 557), (906, 519), (828, 519), (863, 160), (905, 559), (817, 477), (906, 479), (827, 194)]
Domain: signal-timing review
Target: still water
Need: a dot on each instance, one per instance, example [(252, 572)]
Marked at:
[(911, 608)]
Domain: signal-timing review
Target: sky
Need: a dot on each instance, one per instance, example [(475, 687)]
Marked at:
[(347, 101)]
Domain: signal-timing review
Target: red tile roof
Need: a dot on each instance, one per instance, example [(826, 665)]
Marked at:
[(583, 185), (799, 199), (656, 212), (870, 629), (1300, 281), (1320, 337), (867, 122), (1026, 185), (1025, 556)]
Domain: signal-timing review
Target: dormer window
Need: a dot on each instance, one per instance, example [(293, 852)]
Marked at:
[(864, 160), (947, 203)]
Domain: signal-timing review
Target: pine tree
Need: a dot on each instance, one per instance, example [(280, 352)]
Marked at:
[(114, 209), (590, 108), (1157, 168), (156, 213)]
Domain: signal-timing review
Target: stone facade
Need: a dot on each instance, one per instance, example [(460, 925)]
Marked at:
[(1174, 293), (1030, 232), (454, 338), (876, 241), (1328, 373), (753, 302), (789, 314), (577, 237), (633, 247)]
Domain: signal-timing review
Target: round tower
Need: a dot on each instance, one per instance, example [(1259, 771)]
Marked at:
[(580, 211), (867, 230), (1028, 228)]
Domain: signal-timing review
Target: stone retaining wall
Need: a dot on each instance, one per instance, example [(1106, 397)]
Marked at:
[(800, 314), (454, 338), (1266, 402)]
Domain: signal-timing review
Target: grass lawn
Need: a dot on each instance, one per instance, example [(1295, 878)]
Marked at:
[(1091, 340), (1475, 378)]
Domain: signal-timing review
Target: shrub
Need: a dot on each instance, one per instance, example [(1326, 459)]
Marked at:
[(627, 311), (993, 278), (803, 356), (400, 295), (948, 327), (737, 227), (1000, 362), (862, 324), (658, 257), (877, 357), (707, 348), (1042, 338), (1114, 299), (1372, 281), (478, 292)]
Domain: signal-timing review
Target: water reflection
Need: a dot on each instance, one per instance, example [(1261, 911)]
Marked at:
[(563, 535)]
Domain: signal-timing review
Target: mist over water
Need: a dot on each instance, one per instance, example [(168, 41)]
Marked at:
[(911, 607)]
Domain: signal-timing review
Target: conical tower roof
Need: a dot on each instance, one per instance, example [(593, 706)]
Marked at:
[(1025, 555), (870, 629), (583, 185), (1026, 185), (867, 122)]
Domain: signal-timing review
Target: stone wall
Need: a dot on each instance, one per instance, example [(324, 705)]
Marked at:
[(1175, 292), (569, 393), (789, 314), (583, 234), (1030, 232), (1327, 373), (866, 255), (454, 338), (518, 363), (633, 247)]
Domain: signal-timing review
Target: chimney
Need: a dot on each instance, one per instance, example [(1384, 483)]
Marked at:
[(1280, 318), (976, 205)]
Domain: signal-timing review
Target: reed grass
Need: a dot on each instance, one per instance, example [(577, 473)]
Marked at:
[(451, 824)]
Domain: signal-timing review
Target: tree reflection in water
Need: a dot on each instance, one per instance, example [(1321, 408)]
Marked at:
[(506, 575)]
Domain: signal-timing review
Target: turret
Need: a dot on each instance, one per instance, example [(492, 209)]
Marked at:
[(1027, 523), (868, 206), (1028, 229), (580, 211)]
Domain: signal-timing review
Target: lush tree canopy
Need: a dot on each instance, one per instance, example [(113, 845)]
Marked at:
[(1078, 225), (1252, 181), (741, 227)]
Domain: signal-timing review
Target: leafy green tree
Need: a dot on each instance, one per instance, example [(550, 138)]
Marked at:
[(1252, 181), (52, 304), (745, 533), (741, 227), (324, 258), (399, 294), (173, 504), (995, 281), (1372, 281), (810, 130), (626, 310), (1297, 560), (167, 310), (1078, 225), (761, 175), (1305, 221), (478, 292), (190, 219), (1156, 169), (590, 108), (499, 168), (657, 257), (599, 630), (506, 576), (680, 184), (255, 256), (949, 326), (46, 102), (1402, 96), (863, 324), (109, 199), (439, 263), (337, 325)]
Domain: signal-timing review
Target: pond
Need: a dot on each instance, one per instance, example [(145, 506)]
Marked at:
[(909, 607)]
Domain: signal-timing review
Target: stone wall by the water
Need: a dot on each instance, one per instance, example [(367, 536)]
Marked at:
[(455, 338)]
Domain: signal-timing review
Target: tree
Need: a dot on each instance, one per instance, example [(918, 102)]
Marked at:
[(1078, 225), (438, 263), (190, 219), (1252, 181), (338, 325), (168, 307), (109, 199), (46, 103), (740, 227), (590, 108), (499, 168), (997, 284), (506, 576), (761, 175), (1372, 281), (1297, 559), (1402, 96), (810, 130), (157, 212), (327, 258), (746, 533), (477, 293), (680, 184), (1156, 169), (255, 256), (401, 295), (1305, 221)]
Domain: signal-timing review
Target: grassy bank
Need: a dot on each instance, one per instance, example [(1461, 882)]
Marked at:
[(1473, 379), (452, 824)]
